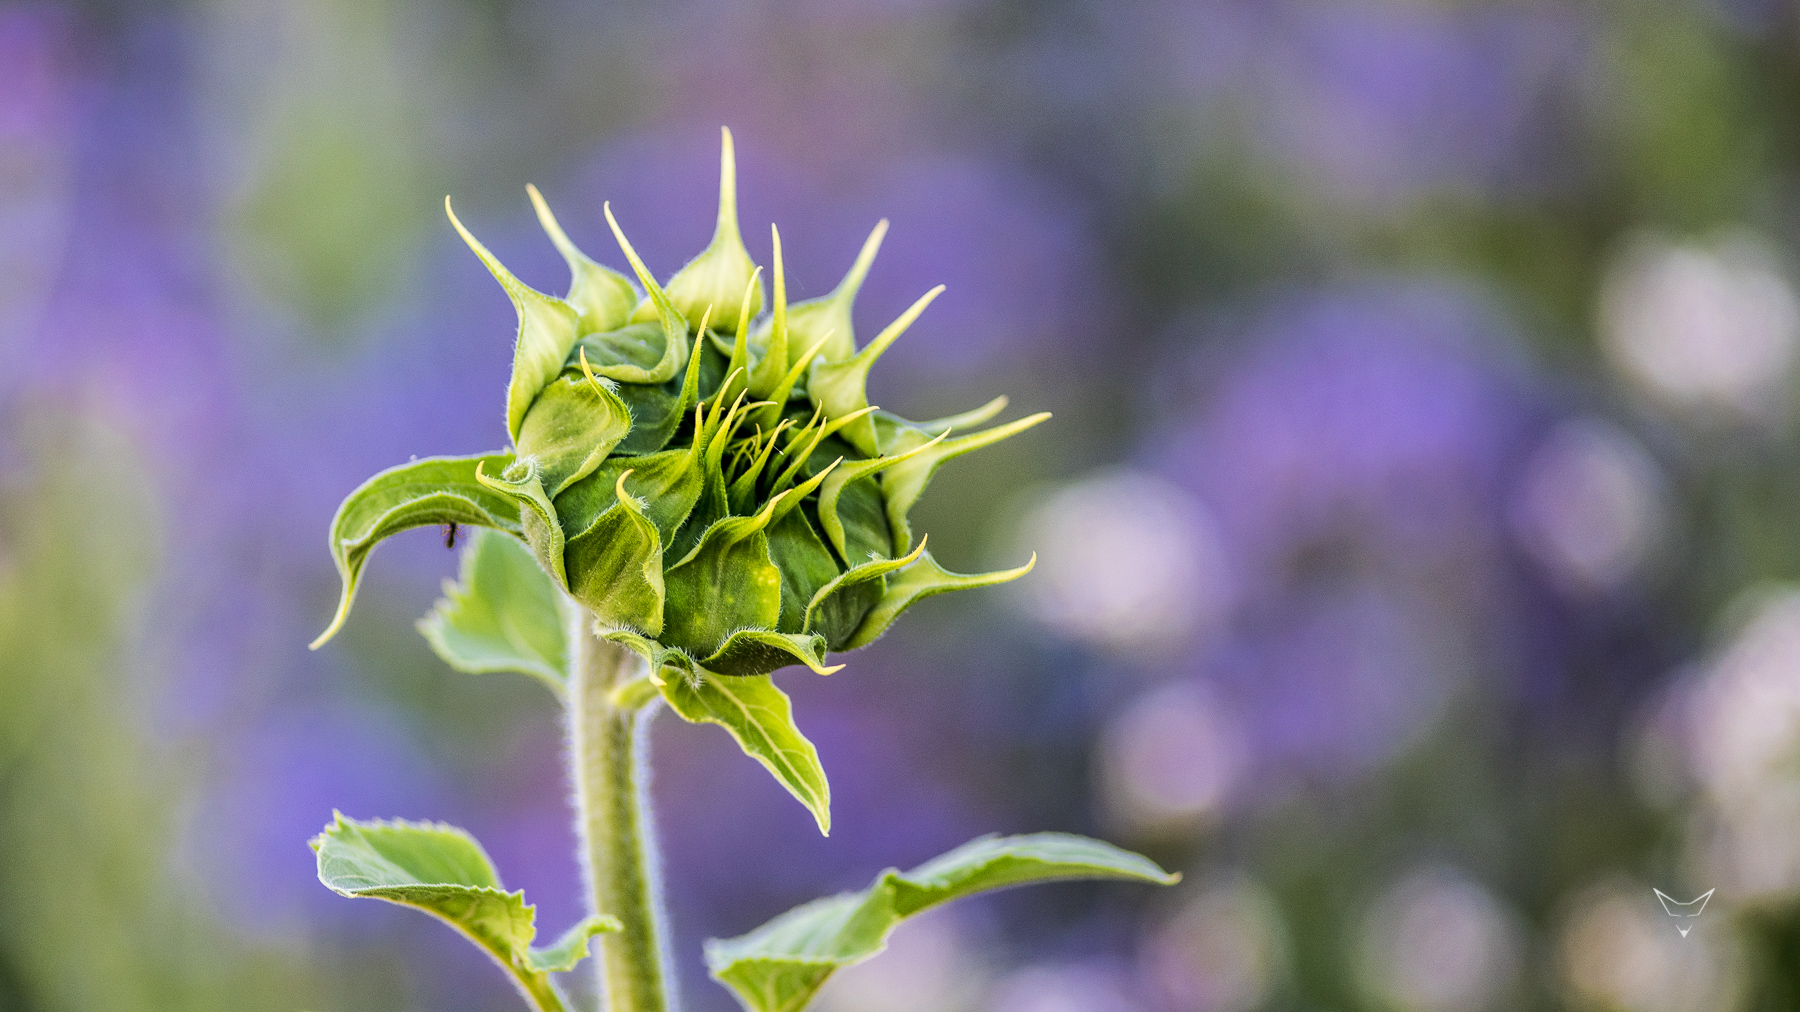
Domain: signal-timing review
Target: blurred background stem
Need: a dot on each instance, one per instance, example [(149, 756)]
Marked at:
[(606, 750)]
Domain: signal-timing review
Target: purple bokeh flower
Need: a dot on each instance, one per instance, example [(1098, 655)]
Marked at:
[(38, 111), (1365, 103), (1350, 456)]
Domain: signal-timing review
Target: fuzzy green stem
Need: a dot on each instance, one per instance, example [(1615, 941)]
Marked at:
[(540, 992), (607, 739)]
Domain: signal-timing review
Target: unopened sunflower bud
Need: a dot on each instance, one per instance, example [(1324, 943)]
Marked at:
[(719, 502)]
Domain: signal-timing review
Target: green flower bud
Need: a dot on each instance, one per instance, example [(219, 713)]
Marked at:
[(727, 502)]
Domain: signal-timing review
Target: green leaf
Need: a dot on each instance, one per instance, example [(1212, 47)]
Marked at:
[(827, 318), (781, 965), (615, 566), (916, 582), (840, 387), (547, 330), (761, 718), (903, 483), (442, 870), (537, 516), (435, 490), (503, 615), (604, 298), (571, 947), (727, 582), (571, 427), (719, 276)]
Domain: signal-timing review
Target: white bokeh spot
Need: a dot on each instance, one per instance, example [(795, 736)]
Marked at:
[(1712, 328), (1127, 561)]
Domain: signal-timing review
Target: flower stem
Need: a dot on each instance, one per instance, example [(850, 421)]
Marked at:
[(607, 739), (540, 992)]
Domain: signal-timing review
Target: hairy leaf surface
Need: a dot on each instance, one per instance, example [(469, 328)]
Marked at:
[(728, 582)]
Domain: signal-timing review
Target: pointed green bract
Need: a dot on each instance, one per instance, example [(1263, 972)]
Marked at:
[(859, 511), (547, 330), (602, 298), (575, 423), (837, 608), (827, 319), (662, 311), (618, 566), (805, 565), (502, 615), (766, 376), (889, 426), (780, 966), (831, 494), (442, 870), (902, 484), (435, 490), (758, 651), (718, 276), (742, 493), (738, 353), (657, 410), (779, 397), (760, 717), (916, 582), (523, 483), (840, 387), (666, 485), (727, 582), (639, 353)]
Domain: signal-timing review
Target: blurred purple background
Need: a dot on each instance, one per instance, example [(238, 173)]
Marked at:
[(1419, 528)]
